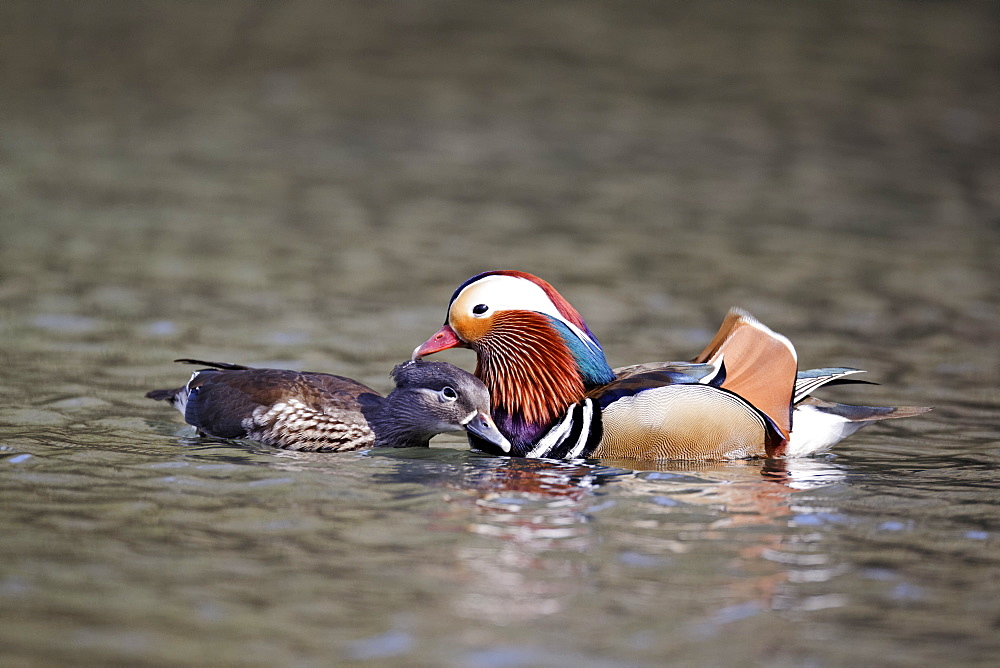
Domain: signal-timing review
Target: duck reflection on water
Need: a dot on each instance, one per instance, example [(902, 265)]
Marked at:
[(546, 528), (531, 538)]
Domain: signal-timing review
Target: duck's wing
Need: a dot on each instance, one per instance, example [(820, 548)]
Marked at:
[(806, 382), (669, 415), (697, 372), (760, 365), (287, 409)]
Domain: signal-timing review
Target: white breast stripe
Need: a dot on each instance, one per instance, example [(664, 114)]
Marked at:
[(581, 443), (554, 437), (707, 380)]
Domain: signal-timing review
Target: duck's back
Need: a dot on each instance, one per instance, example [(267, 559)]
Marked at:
[(287, 409)]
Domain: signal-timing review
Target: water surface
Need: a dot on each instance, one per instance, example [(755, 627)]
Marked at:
[(304, 185)]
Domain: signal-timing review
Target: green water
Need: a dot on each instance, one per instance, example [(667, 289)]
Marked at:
[(304, 184)]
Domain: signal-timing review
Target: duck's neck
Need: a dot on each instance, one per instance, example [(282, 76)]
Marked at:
[(535, 369), (396, 424)]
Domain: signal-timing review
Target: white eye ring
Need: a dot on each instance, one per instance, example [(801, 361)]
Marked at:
[(448, 394)]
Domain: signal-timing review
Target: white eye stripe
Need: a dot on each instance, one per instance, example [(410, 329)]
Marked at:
[(505, 293), (512, 293)]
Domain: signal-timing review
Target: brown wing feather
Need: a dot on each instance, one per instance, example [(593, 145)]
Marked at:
[(286, 409), (271, 386), (760, 365), (689, 368)]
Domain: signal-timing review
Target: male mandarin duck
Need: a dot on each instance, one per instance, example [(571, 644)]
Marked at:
[(555, 396), (326, 413)]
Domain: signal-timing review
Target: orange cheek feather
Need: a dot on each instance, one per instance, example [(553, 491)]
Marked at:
[(470, 329)]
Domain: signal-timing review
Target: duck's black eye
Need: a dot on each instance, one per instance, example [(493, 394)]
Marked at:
[(480, 309), (449, 393)]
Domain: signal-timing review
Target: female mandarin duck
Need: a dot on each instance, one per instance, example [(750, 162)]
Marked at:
[(326, 413), (554, 394)]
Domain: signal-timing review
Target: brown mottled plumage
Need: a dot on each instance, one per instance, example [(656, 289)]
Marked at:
[(328, 413)]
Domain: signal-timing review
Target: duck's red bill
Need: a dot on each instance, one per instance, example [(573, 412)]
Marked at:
[(443, 340)]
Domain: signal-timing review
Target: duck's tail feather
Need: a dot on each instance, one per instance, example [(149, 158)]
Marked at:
[(818, 425), (177, 397), (225, 366), (164, 395)]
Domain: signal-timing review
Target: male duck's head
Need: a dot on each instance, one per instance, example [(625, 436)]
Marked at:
[(534, 351)]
